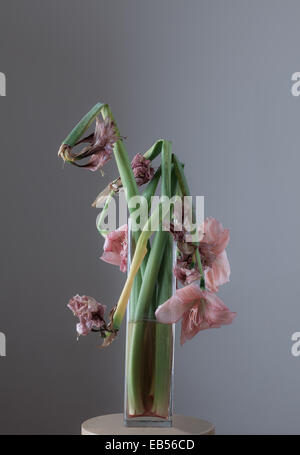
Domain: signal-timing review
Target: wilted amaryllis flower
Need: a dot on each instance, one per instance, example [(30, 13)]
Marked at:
[(214, 239), (198, 309), (142, 170), (89, 311), (116, 247), (100, 149), (185, 269)]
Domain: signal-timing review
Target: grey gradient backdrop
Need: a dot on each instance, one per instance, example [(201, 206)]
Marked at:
[(212, 76)]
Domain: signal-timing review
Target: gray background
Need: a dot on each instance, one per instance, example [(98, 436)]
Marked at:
[(212, 76)]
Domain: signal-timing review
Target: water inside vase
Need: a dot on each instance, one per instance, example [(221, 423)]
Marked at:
[(149, 371)]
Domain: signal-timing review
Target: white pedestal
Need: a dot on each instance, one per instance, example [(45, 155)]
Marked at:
[(112, 424)]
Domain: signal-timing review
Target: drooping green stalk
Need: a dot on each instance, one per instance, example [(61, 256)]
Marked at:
[(154, 151), (164, 333), (166, 168), (83, 125)]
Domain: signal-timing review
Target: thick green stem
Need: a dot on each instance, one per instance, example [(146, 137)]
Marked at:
[(154, 151), (122, 160), (164, 333), (151, 187), (150, 276), (83, 125), (164, 339), (135, 340)]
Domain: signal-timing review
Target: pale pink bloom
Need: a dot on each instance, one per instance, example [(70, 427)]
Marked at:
[(142, 170), (213, 241), (89, 311), (213, 236), (116, 248), (198, 309)]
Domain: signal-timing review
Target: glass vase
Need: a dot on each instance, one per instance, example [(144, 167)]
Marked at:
[(150, 344)]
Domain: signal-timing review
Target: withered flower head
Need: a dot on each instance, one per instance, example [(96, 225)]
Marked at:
[(100, 147), (142, 170), (89, 312)]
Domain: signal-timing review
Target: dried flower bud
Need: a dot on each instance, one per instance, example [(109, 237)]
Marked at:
[(142, 170)]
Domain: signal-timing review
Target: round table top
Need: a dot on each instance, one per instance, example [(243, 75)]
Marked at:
[(112, 424)]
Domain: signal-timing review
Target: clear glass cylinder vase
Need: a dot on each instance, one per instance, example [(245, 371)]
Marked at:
[(150, 344)]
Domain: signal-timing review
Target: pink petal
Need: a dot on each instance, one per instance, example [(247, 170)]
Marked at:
[(98, 160), (175, 307), (82, 329), (215, 234), (216, 312), (115, 248), (219, 273), (111, 258), (210, 312)]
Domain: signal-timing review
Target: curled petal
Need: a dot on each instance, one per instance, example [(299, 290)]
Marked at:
[(213, 234), (115, 248), (98, 160), (111, 257), (219, 272), (216, 312)]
